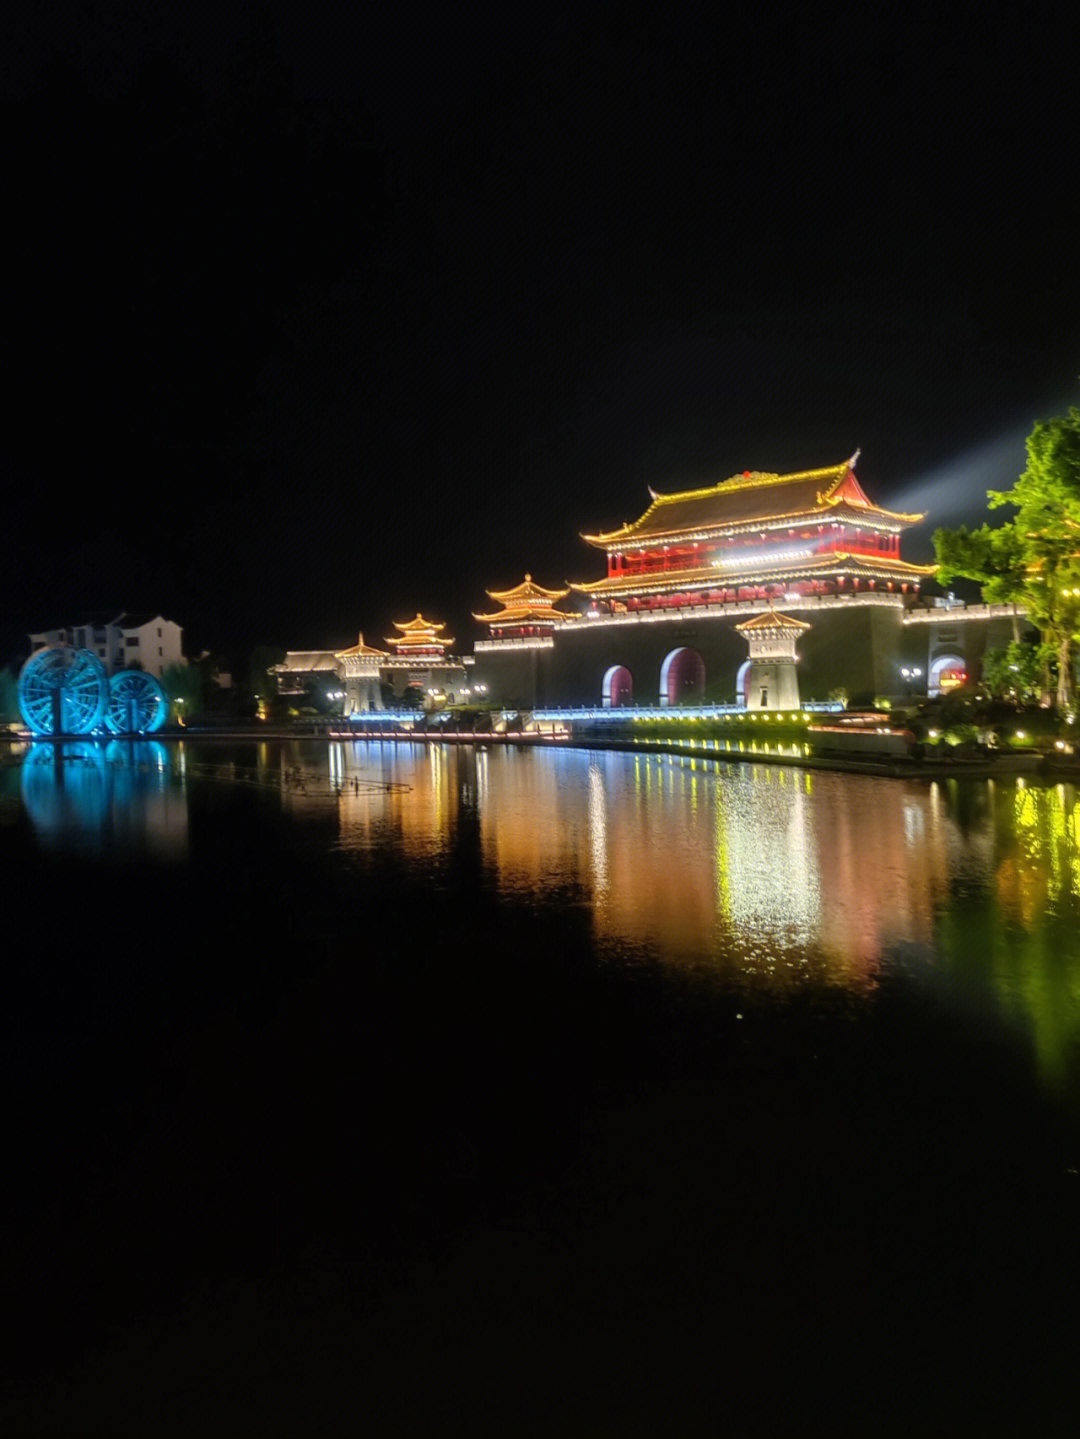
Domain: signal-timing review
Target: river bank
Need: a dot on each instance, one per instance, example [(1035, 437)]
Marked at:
[(1039, 765)]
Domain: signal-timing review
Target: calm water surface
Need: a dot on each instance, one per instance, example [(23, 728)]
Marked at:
[(764, 877), (607, 1093)]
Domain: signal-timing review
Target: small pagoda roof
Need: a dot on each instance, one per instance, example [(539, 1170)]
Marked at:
[(528, 601), (772, 620), (876, 567), (359, 650), (418, 632), (754, 496)]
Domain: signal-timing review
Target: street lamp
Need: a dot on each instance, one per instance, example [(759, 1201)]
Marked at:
[(909, 673)]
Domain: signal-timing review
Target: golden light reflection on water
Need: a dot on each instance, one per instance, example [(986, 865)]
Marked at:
[(765, 876), (699, 860), (771, 877), (410, 797)]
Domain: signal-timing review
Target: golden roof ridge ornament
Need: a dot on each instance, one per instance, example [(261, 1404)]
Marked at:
[(360, 648)]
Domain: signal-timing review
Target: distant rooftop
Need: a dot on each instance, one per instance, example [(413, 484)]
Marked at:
[(306, 662)]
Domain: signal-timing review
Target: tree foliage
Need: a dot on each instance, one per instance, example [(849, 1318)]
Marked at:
[(185, 685), (9, 696), (262, 684), (1034, 558), (992, 556), (1017, 672)]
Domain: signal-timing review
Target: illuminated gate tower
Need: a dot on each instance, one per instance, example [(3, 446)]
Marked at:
[(771, 679), (528, 612), (420, 660), (755, 537), (512, 664)]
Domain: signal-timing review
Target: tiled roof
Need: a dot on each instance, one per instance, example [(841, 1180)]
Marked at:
[(527, 602), (134, 622), (98, 620), (418, 632), (772, 620), (417, 625), (359, 649), (752, 496), (306, 662), (526, 591)]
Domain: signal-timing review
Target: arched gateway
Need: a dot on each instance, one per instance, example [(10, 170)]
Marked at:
[(682, 678), (740, 682), (618, 687), (947, 672)]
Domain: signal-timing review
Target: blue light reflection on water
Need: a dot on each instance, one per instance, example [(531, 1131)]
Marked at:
[(117, 800)]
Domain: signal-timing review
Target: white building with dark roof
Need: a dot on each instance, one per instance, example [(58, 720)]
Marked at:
[(122, 642)]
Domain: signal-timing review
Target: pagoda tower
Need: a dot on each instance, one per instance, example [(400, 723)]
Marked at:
[(420, 660), (360, 666), (772, 681), (419, 638), (528, 612)]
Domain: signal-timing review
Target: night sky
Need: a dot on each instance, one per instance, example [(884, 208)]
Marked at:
[(314, 322)]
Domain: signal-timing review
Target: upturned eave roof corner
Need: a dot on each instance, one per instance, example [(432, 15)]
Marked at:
[(527, 590), (745, 499)]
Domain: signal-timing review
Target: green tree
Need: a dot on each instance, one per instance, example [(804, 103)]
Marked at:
[(1046, 498), (185, 686), (1034, 558), (9, 696), (1017, 672), (262, 684), (992, 556)]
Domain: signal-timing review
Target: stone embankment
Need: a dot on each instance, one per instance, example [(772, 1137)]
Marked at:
[(806, 750)]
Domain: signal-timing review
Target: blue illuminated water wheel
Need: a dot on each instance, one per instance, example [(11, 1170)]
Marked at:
[(63, 690), (136, 703)]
